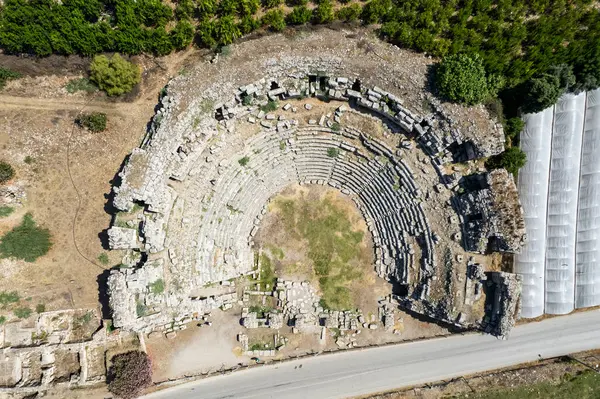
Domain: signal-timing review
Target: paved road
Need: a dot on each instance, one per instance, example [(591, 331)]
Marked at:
[(353, 373)]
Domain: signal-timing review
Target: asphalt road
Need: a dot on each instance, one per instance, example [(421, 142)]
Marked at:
[(352, 373)]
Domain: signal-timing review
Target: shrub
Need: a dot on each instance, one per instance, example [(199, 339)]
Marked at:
[(323, 13), (6, 172), (114, 75), (6, 75), (333, 152), (300, 15), (375, 10), (81, 84), (22, 313), (226, 30), (129, 374), (274, 19), (512, 160), (244, 161), (349, 13), (26, 241), (271, 3), (513, 127), (182, 35), (462, 79), (248, 24), (40, 308), (6, 211), (295, 3), (94, 122), (184, 9), (206, 33)]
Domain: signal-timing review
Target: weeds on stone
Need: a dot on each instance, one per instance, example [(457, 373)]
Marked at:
[(270, 106)]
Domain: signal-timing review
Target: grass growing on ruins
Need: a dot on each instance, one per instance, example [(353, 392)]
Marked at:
[(333, 152), (244, 161), (585, 385), (270, 106), (266, 273), (22, 313), (6, 211), (26, 241), (333, 244), (157, 287)]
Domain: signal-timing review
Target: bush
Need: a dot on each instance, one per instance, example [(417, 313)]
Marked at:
[(6, 75), (512, 160), (129, 374), (182, 35), (94, 122), (22, 313), (323, 14), (244, 161), (274, 19), (226, 31), (26, 241), (349, 13), (114, 75), (300, 15), (271, 3), (333, 152), (157, 287), (375, 11), (248, 24), (81, 84), (542, 91), (103, 258), (513, 127), (462, 79), (6, 172), (6, 211), (40, 308)]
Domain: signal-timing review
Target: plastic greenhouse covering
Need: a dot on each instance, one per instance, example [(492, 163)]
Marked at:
[(563, 191), (587, 286), (533, 191)]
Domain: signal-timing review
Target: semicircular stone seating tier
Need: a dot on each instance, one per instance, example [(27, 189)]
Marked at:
[(205, 206), (381, 185)]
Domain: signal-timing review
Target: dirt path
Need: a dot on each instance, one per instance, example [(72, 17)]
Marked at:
[(53, 104)]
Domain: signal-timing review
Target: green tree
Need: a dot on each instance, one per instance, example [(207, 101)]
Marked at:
[(462, 79), (159, 42), (182, 35), (274, 19), (513, 127), (248, 24), (114, 75), (206, 8), (206, 33), (323, 14), (185, 9), (300, 15), (512, 160), (541, 92)]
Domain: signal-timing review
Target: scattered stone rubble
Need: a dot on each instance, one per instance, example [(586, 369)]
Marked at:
[(67, 347)]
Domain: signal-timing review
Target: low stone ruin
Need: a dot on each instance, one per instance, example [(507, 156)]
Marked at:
[(491, 215)]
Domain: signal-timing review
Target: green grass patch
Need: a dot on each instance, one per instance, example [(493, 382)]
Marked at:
[(2, 320), (6, 75), (22, 313), (267, 272), (585, 385), (270, 106), (40, 308), (6, 211), (81, 84), (6, 298), (26, 241), (333, 152), (333, 246), (157, 287), (103, 258)]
